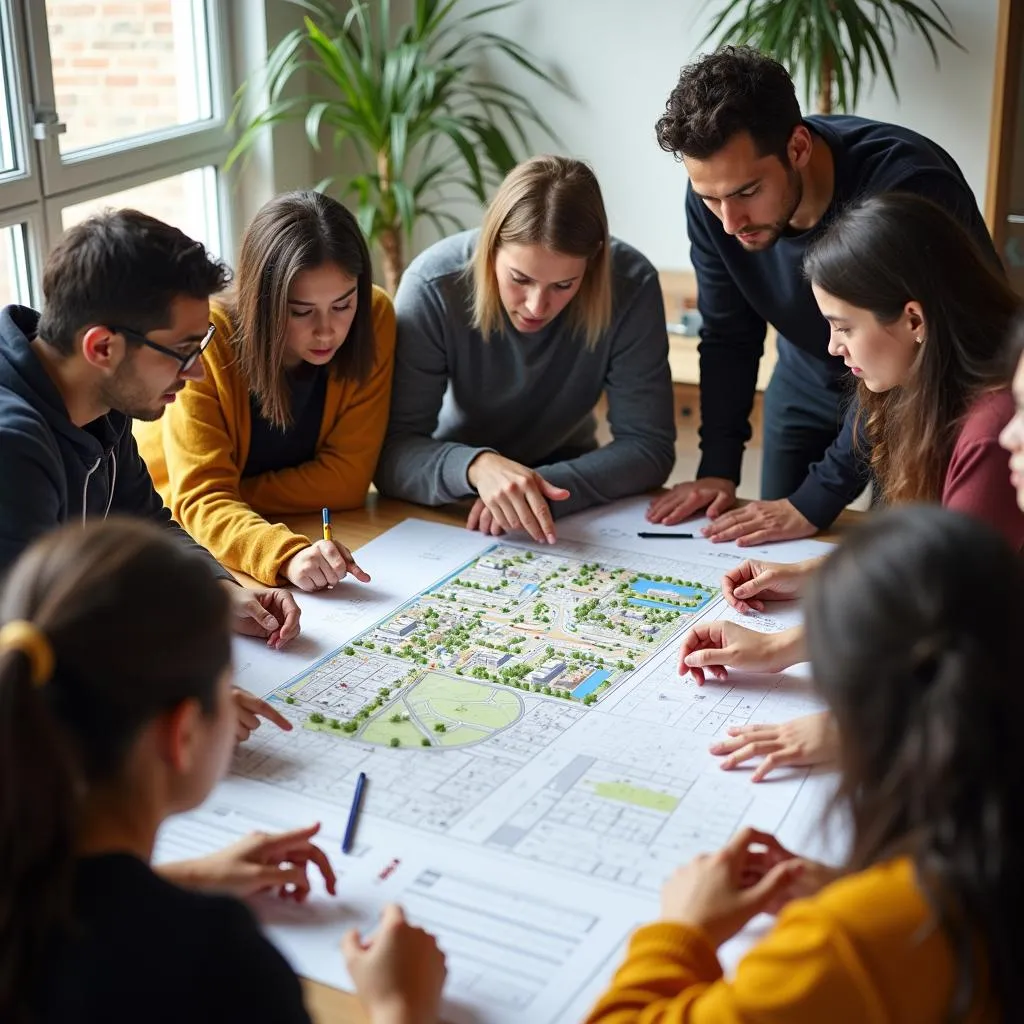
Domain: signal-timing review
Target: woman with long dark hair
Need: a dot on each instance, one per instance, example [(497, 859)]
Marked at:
[(291, 413), (922, 320), (911, 631)]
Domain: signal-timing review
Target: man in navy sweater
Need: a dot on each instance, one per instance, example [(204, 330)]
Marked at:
[(764, 182), (123, 328)]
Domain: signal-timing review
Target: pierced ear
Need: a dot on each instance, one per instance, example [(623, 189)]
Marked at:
[(915, 320)]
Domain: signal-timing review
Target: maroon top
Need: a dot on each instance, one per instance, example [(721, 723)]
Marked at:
[(978, 477)]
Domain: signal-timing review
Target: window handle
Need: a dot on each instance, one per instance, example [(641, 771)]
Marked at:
[(47, 125)]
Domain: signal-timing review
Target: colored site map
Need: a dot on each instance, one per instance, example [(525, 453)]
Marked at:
[(448, 668)]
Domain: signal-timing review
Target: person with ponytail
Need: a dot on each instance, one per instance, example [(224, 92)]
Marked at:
[(911, 632), (115, 712)]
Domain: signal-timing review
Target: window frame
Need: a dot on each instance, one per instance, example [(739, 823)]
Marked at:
[(45, 182)]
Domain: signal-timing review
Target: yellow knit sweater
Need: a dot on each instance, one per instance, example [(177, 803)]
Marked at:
[(864, 951), (196, 453)]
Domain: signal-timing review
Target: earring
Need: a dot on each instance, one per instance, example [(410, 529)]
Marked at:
[(918, 341)]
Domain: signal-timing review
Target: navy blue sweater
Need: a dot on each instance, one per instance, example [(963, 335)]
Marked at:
[(52, 472), (740, 292)]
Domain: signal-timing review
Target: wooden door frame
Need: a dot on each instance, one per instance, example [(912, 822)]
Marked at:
[(1005, 100)]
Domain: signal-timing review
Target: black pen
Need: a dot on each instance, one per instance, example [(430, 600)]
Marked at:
[(678, 536)]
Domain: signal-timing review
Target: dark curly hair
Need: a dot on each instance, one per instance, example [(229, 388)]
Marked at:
[(736, 89)]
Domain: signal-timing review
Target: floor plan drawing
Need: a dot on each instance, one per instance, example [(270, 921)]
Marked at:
[(527, 738)]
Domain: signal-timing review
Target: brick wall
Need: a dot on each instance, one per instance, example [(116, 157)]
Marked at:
[(119, 70)]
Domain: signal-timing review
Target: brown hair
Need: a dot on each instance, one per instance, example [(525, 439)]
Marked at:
[(553, 201), (136, 624), (122, 267), (296, 231), (880, 254)]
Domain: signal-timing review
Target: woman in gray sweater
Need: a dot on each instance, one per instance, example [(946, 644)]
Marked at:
[(507, 336)]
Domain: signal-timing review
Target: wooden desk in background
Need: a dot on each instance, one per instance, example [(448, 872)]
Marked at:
[(679, 290), (353, 529)]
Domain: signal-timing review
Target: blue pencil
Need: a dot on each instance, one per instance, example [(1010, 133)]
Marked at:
[(353, 814)]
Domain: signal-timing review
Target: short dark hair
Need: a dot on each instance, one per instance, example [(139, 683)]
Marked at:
[(123, 267), (735, 89)]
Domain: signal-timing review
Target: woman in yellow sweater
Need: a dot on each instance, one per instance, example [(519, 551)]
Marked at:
[(912, 631), (291, 414)]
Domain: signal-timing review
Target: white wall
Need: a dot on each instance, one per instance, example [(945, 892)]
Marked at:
[(281, 160), (622, 59)]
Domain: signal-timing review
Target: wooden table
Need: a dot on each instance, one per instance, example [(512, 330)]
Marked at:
[(353, 529)]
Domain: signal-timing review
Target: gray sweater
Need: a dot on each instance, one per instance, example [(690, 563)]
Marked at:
[(529, 397)]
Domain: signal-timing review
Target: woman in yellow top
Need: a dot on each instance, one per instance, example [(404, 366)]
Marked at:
[(912, 630), (291, 414)]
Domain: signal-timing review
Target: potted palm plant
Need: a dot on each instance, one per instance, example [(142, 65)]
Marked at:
[(833, 42), (412, 101)]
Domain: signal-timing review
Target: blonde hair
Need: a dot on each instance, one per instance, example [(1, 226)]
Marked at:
[(555, 202)]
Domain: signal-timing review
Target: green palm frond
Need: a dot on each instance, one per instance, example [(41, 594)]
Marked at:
[(838, 45), (411, 98)]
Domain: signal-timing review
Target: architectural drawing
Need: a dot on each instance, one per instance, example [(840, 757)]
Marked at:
[(529, 747), (447, 668)]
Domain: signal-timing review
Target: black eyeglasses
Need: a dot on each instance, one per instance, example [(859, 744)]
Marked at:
[(187, 361)]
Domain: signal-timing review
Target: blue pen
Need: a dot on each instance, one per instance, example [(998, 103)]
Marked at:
[(353, 814), (327, 524)]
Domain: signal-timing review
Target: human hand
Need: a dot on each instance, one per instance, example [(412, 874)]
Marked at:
[(802, 742), (516, 496), (716, 647), (269, 613), (759, 522), (480, 518), (753, 582), (258, 863), (768, 853), (323, 564), (684, 500), (398, 973), (720, 892), (249, 708)]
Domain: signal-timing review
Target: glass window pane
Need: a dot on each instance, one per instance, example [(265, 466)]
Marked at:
[(125, 69), (8, 159), (14, 279), (188, 201)]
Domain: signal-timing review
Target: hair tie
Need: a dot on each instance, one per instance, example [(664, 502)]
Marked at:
[(28, 638)]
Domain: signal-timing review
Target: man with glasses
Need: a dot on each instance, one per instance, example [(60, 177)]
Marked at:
[(124, 324)]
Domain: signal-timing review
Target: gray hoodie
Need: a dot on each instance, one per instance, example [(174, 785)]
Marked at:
[(52, 472)]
